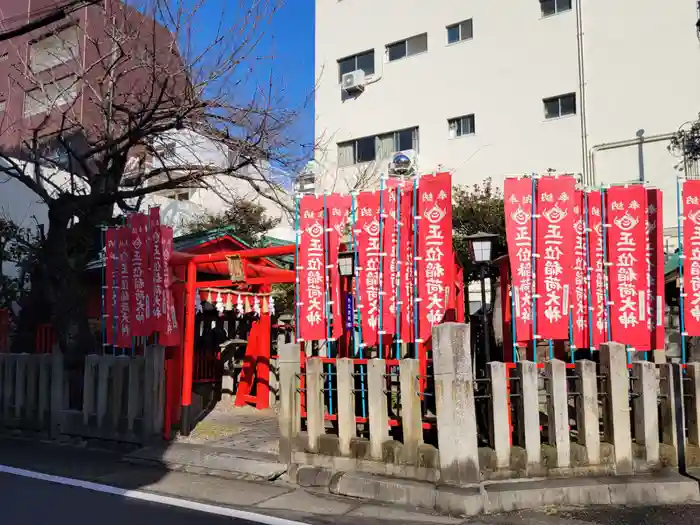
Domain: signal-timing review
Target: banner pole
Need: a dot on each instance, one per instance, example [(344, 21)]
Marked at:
[(606, 263), (590, 309), (326, 258), (512, 321), (399, 266), (533, 273), (414, 207), (359, 345), (681, 258), (103, 306), (297, 235), (382, 256)]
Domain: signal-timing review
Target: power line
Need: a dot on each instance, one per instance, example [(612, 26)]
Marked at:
[(55, 15)]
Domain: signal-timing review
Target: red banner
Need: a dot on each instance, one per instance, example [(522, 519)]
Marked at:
[(389, 261), (436, 263), (124, 332), (111, 293), (158, 321), (691, 250), (625, 213), (312, 273), (555, 274), (138, 224), (579, 323), (655, 269), (338, 209), (170, 336), (406, 247), (367, 238), (518, 211), (597, 269)]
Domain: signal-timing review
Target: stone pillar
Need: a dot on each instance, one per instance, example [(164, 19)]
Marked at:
[(646, 418), (56, 393), (89, 380), (411, 413), (528, 411), (21, 384), (558, 412), (44, 390), (347, 428), (377, 407), (499, 412), (315, 408), (104, 366), (135, 402), (454, 398), (667, 406), (154, 374), (693, 404), (587, 412), (613, 364), (8, 383), (289, 416), (117, 396), (32, 388)]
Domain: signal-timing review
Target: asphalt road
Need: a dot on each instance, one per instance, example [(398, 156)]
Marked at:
[(37, 502)]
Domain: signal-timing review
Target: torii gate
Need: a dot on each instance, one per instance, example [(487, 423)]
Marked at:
[(242, 268)]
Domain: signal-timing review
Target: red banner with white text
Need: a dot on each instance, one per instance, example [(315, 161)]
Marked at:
[(406, 247), (111, 284), (580, 325), (367, 238), (555, 274), (596, 257), (517, 202), (312, 273), (157, 310), (655, 269), (626, 215), (171, 335), (691, 250), (338, 209), (124, 254), (389, 261), (140, 274), (436, 262)]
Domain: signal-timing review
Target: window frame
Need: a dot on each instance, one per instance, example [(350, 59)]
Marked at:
[(73, 87), (405, 43), (559, 99), (55, 60), (557, 9), (459, 25), (396, 137), (469, 118), (356, 67)]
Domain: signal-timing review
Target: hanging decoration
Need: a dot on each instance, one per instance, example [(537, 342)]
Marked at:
[(239, 306), (158, 313), (389, 261), (198, 302), (229, 303), (312, 275), (124, 332), (580, 325), (368, 250), (256, 306), (220, 304), (406, 279), (691, 250), (140, 273), (271, 306)]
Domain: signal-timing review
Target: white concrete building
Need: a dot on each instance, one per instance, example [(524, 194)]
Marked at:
[(488, 88)]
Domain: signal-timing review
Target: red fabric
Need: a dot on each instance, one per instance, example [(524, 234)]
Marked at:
[(406, 247), (434, 237), (338, 209), (389, 260), (124, 331), (555, 276), (367, 237), (518, 212), (580, 294), (625, 213), (655, 207), (140, 285), (691, 250), (171, 336), (312, 274), (597, 262), (157, 312), (111, 284)]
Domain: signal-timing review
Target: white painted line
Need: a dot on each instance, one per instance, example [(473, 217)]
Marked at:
[(150, 497)]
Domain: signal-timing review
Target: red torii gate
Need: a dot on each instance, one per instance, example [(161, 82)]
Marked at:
[(257, 360)]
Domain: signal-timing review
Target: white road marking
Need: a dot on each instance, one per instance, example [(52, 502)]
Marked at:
[(151, 497)]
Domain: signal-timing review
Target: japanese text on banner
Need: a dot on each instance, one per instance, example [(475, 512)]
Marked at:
[(436, 263), (111, 284), (597, 262), (407, 274), (312, 272), (124, 329), (555, 273), (157, 294), (580, 300), (389, 261), (367, 237), (140, 274), (171, 334), (654, 263), (338, 209), (626, 215), (691, 250), (518, 206)]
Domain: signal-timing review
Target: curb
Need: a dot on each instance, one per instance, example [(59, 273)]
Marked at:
[(488, 498)]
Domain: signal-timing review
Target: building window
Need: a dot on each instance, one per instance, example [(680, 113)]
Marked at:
[(177, 195), (377, 147), (52, 95), (461, 31), (166, 151), (560, 106), (54, 50), (552, 7), (363, 61), (2, 105), (461, 126), (406, 48), (4, 56)]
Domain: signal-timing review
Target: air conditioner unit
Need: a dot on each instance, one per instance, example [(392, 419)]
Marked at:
[(353, 82), (403, 163)]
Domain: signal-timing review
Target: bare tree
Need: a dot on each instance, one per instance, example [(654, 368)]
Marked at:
[(101, 104)]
